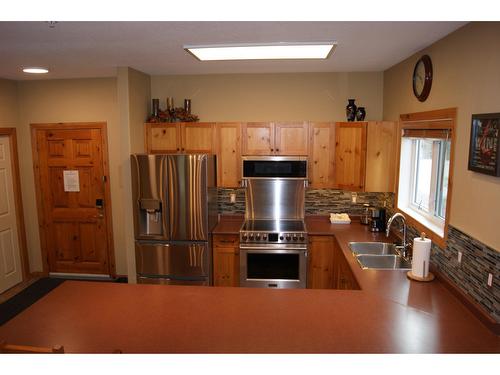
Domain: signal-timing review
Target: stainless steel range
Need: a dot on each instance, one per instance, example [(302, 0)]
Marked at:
[(273, 238)]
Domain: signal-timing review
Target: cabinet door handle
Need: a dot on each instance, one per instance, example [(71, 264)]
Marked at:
[(272, 150), (178, 149), (277, 150)]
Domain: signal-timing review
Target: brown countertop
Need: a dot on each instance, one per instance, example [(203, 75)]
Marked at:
[(229, 224), (390, 314)]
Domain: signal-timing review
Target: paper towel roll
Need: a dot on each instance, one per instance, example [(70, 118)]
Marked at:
[(421, 255)]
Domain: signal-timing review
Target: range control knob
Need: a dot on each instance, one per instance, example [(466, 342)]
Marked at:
[(295, 238), (264, 237), (301, 238), (251, 237), (257, 236), (245, 237), (281, 238), (288, 238)]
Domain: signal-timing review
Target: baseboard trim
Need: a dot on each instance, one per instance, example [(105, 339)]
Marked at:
[(468, 302), (39, 274), (79, 276)]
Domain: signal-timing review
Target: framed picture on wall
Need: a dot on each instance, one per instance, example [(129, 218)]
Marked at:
[(484, 153)]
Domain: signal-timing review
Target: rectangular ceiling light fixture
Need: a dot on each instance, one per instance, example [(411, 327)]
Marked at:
[(276, 51)]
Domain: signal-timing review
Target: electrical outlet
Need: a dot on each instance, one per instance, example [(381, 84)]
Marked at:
[(459, 257), (354, 197), (490, 279)]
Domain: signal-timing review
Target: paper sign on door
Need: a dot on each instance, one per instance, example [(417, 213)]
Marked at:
[(71, 181)]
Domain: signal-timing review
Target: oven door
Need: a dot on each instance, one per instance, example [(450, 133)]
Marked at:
[(262, 267)]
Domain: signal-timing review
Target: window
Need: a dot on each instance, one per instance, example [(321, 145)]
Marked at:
[(424, 173), (425, 191)]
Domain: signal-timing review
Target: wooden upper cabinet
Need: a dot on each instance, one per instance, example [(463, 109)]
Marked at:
[(180, 137), (350, 155), (269, 138), (291, 138), (197, 137), (322, 155), (258, 138), (162, 138), (381, 156), (228, 154)]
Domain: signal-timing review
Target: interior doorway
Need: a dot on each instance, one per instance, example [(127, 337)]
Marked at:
[(73, 196), (14, 266)]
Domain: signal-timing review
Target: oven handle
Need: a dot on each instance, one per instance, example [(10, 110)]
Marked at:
[(274, 251), (245, 246), (272, 248)]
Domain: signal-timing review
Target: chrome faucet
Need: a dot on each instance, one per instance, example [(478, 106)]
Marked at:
[(404, 246)]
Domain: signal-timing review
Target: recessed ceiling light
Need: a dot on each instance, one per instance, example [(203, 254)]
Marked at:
[(35, 70), (276, 51)]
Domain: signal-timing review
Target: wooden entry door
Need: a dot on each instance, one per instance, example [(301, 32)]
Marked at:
[(11, 272), (73, 194)]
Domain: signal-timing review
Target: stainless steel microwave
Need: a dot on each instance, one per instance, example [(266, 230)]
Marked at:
[(289, 167)]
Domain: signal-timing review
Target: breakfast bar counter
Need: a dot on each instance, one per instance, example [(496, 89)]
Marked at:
[(390, 314)]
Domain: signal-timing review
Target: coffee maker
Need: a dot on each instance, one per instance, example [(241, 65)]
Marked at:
[(377, 219)]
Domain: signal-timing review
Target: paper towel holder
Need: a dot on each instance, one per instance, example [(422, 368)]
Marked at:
[(430, 275)]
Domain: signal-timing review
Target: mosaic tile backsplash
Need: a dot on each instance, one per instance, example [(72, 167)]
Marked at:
[(317, 201), (470, 275)]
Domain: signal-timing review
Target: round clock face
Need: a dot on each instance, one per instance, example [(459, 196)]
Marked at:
[(419, 77), (422, 78)]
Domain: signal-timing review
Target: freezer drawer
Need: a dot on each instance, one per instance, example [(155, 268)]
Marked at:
[(163, 281), (186, 261)]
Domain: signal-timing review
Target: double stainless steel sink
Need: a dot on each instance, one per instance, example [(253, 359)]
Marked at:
[(378, 255)]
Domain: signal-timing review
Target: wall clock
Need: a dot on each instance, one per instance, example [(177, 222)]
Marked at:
[(422, 78)]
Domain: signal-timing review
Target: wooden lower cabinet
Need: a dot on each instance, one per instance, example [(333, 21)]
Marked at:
[(320, 270), (327, 267), (226, 260), (344, 278)]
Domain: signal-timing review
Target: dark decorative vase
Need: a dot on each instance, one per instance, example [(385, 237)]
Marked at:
[(360, 114), (156, 107), (350, 110)]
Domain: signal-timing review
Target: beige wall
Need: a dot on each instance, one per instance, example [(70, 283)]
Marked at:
[(8, 103), (134, 95), (72, 100), (266, 97), (466, 68), (139, 105)]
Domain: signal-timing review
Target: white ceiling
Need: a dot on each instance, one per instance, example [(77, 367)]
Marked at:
[(95, 49)]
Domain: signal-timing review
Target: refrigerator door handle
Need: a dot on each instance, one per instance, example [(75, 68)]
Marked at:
[(164, 183)]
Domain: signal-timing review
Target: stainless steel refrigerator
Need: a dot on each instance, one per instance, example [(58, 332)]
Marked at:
[(175, 210)]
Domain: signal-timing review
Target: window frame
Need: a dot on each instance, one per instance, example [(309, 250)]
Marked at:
[(427, 122)]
